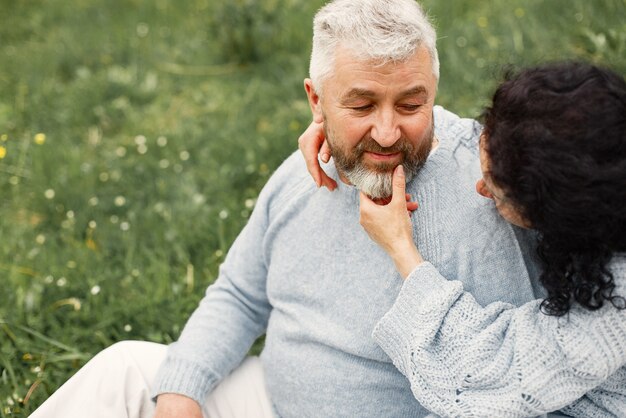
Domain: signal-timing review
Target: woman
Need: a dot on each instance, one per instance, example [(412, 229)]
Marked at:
[(553, 157)]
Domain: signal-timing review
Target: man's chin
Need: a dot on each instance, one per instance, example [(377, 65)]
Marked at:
[(375, 180), (376, 186), (381, 168)]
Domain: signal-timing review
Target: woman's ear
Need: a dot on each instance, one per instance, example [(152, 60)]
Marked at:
[(314, 101), (483, 190)]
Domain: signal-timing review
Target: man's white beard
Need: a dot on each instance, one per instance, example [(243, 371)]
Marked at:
[(374, 184)]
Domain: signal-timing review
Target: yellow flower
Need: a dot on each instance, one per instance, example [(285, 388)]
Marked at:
[(91, 244), (4, 137), (40, 138), (3, 152)]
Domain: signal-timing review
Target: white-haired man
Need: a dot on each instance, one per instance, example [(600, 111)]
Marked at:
[(304, 272)]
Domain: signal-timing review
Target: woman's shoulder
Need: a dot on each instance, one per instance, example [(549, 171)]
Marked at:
[(617, 266), (618, 263)]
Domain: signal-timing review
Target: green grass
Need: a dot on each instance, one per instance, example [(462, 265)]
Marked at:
[(162, 121)]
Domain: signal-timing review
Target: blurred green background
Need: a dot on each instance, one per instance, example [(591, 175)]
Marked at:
[(135, 136)]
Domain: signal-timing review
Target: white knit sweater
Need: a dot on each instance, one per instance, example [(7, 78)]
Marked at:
[(502, 361)]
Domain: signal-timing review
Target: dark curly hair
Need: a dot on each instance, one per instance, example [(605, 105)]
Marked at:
[(556, 140)]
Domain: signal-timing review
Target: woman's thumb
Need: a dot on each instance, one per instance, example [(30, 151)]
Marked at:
[(399, 184)]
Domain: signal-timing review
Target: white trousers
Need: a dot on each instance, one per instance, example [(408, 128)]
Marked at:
[(117, 383)]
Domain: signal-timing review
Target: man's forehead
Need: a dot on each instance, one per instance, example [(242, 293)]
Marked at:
[(360, 75), (345, 55)]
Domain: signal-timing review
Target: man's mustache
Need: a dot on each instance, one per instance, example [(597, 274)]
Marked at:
[(368, 144)]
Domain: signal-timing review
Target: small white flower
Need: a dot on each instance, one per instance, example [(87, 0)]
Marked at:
[(159, 207), (120, 201), (140, 140), (142, 29), (198, 199), (95, 290), (49, 194)]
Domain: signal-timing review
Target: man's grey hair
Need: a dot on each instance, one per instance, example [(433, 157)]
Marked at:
[(379, 30)]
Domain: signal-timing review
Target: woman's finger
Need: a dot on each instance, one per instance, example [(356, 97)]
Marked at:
[(311, 142)]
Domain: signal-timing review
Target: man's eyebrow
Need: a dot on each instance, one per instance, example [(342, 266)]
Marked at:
[(415, 91), (360, 93), (357, 93)]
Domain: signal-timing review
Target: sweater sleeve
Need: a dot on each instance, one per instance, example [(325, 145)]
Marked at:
[(607, 399), (463, 359), (233, 313)]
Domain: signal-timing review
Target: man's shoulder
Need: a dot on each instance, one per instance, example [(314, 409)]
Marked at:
[(289, 181), (461, 132)]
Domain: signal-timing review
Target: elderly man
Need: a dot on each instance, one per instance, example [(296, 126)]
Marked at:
[(304, 272)]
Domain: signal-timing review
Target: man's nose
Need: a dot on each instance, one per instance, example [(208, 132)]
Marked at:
[(386, 130)]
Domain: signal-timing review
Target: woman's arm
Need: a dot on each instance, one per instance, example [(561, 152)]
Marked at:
[(499, 360)]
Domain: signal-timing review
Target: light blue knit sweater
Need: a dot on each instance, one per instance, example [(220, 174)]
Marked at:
[(304, 272)]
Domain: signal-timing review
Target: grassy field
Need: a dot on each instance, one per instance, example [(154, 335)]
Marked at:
[(135, 135)]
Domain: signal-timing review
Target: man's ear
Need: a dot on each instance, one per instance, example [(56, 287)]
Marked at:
[(314, 101)]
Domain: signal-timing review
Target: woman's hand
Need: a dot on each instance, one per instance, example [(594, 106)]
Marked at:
[(390, 225), (311, 143)]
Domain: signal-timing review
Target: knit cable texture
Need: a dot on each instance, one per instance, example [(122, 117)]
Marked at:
[(465, 360)]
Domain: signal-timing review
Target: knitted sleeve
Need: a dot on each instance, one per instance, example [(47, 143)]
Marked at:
[(232, 314), (463, 359), (235, 309)]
